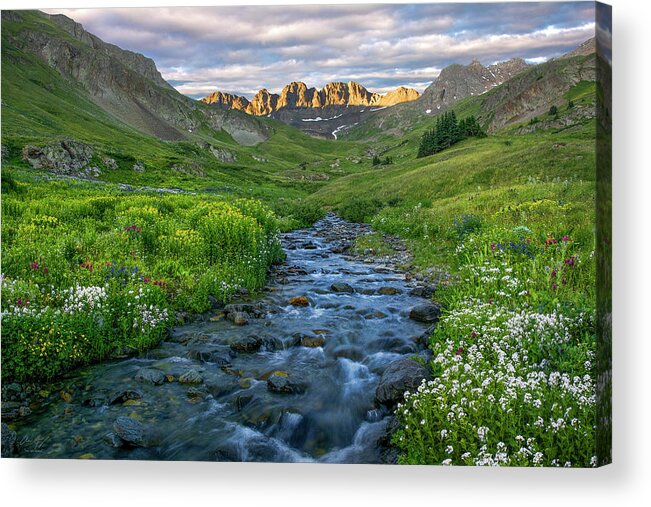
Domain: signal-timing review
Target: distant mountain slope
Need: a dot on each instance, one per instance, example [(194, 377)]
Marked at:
[(502, 94), (126, 85), (533, 92), (320, 113), (458, 81)]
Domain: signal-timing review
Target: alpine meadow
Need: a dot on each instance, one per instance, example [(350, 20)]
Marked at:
[(400, 257)]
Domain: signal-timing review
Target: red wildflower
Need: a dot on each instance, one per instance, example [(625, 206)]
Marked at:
[(550, 241)]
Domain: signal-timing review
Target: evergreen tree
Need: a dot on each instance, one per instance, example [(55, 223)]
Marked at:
[(448, 131)]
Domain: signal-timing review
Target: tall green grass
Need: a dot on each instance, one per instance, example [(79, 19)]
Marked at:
[(88, 271)]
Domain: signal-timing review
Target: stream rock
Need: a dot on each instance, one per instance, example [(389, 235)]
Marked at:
[(423, 291), (246, 344), (389, 291), (131, 432), (312, 341), (124, 395), (400, 376), (150, 376), (8, 441), (299, 301), (239, 318), (341, 287), (282, 383), (427, 312), (210, 356), (255, 310), (191, 376)]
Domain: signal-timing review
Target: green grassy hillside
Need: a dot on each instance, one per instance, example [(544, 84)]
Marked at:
[(40, 105), (421, 198)]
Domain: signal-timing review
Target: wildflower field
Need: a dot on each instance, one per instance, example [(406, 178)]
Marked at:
[(513, 357), (88, 273), (513, 368)]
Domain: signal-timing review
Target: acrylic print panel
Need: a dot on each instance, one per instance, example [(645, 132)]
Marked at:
[(336, 234)]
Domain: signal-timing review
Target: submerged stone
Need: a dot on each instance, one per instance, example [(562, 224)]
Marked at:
[(299, 301), (150, 376)]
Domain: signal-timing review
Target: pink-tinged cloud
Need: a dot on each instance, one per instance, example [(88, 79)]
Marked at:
[(241, 49)]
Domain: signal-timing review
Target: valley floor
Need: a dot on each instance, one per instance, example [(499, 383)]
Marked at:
[(97, 271)]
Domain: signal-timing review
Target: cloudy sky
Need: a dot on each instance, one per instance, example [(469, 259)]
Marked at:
[(242, 49)]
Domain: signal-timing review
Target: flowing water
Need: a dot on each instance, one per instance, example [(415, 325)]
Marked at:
[(297, 383)]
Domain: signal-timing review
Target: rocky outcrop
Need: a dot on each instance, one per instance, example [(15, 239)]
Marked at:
[(263, 103), (67, 157), (223, 154), (298, 95)]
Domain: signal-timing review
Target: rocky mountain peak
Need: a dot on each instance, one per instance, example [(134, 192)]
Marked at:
[(399, 95), (227, 101), (298, 95), (134, 61), (458, 81), (263, 103), (586, 48)]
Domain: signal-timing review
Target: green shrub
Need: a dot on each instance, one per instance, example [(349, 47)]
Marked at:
[(297, 213), (467, 224), (358, 209)]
